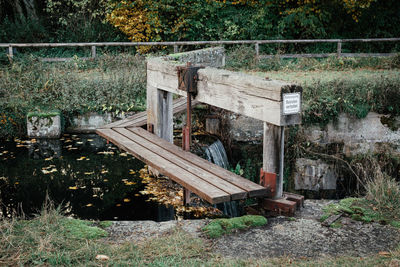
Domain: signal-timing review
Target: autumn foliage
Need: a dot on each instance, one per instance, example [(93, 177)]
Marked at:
[(165, 20)]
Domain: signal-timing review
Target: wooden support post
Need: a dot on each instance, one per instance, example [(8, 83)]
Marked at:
[(175, 49), (271, 151), (10, 53), (257, 50), (279, 182), (93, 51), (165, 128), (339, 49)]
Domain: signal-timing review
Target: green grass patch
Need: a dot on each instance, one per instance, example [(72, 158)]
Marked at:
[(44, 114), (105, 224), (219, 227)]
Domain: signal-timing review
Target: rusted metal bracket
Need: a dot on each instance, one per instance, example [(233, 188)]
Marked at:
[(268, 180), (187, 78)]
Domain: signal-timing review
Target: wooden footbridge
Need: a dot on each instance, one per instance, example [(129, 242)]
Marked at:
[(209, 181), (274, 102)]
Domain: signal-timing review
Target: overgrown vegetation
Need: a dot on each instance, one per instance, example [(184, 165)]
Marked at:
[(219, 227), (111, 83), (53, 240), (331, 86)]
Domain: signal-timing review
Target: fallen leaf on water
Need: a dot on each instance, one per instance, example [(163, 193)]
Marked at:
[(89, 205), (88, 173), (73, 187), (90, 140), (79, 143), (47, 159), (130, 183), (127, 200), (118, 205), (132, 172), (123, 155), (81, 158), (16, 182), (49, 171), (106, 152), (104, 171), (105, 180), (102, 257), (385, 253), (137, 195)]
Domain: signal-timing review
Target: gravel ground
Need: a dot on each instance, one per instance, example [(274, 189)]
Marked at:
[(303, 236)]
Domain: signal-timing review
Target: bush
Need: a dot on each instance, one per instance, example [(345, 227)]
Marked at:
[(110, 83)]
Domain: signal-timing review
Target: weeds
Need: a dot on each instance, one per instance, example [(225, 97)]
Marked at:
[(113, 84)]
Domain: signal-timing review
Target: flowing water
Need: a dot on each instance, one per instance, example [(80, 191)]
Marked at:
[(89, 178), (216, 153)]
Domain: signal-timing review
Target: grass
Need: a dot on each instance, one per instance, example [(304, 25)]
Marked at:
[(51, 239), (219, 227)]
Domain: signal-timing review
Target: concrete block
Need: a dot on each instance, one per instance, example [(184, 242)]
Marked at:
[(44, 124), (314, 175)]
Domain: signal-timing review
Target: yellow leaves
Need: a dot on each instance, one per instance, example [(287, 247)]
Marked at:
[(88, 173), (89, 205), (49, 169), (81, 158), (126, 200), (73, 188), (132, 171)]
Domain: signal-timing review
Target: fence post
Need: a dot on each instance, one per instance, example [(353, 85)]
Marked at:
[(10, 53), (257, 50), (93, 51), (339, 49), (175, 49)]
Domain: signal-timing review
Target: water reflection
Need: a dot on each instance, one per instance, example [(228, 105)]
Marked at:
[(90, 178)]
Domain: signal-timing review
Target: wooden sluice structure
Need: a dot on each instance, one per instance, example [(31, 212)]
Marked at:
[(276, 103)]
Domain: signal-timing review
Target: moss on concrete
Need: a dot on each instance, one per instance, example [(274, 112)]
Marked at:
[(219, 227)]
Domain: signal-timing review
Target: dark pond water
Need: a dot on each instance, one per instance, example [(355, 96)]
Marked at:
[(89, 178)]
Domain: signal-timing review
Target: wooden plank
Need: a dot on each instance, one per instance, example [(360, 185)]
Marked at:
[(253, 189), (154, 146), (203, 189), (140, 119), (271, 152)]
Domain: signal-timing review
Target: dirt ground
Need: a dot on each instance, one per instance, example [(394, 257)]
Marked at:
[(301, 236)]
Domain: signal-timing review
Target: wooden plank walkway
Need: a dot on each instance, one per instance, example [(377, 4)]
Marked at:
[(209, 181), (140, 119)]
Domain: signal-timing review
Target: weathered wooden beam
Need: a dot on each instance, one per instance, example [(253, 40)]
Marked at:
[(246, 94)]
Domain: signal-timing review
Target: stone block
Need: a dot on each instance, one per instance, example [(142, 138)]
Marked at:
[(314, 175), (89, 122), (44, 124)]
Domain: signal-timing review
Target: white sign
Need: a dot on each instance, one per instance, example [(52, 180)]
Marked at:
[(291, 103)]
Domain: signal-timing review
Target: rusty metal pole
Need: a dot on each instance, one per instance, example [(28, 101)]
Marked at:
[(187, 134)]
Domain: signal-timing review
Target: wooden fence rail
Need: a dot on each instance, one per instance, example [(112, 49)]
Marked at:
[(176, 45)]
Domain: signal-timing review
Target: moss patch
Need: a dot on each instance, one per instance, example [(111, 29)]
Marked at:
[(82, 229), (358, 209), (105, 224), (44, 114), (219, 227)]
